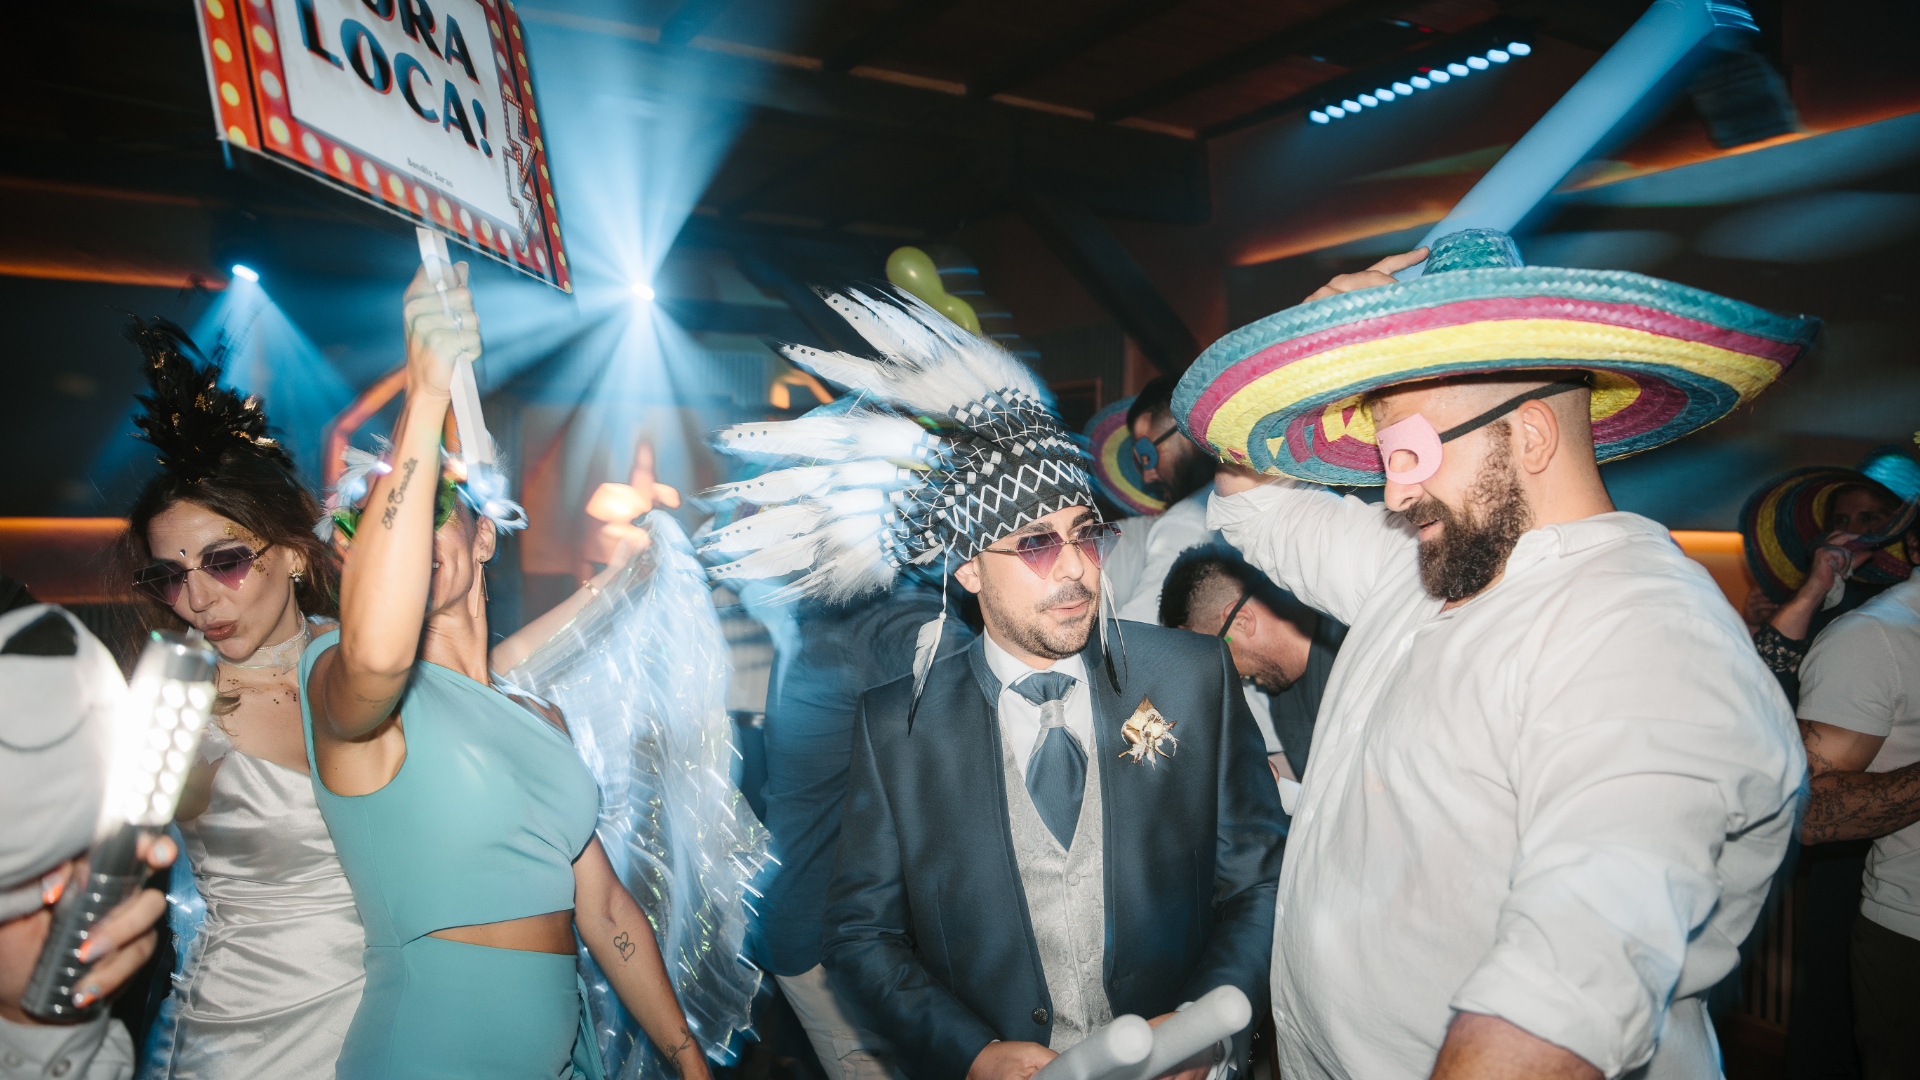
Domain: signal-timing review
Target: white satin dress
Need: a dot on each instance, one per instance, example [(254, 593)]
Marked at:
[(274, 975)]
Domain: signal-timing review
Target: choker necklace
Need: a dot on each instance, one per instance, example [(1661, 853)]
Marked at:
[(282, 657)]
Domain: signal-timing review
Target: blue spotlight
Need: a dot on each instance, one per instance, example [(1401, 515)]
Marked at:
[(1384, 94), (1336, 112), (1478, 63), (1350, 105), (245, 272), (1369, 100), (642, 292), (1519, 48), (1402, 89), (1499, 56), (1439, 75), (1421, 82), (1461, 71), (1318, 117)]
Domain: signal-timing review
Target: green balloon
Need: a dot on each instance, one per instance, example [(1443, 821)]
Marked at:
[(912, 270)]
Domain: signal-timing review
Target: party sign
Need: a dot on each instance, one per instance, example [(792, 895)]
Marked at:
[(424, 107)]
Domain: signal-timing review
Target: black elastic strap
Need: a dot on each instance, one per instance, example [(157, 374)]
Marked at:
[(1233, 614), (1512, 403)]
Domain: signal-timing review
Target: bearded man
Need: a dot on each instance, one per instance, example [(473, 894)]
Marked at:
[(1057, 826), (1551, 777)]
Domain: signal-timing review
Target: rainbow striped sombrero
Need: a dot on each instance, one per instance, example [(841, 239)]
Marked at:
[(1282, 394), (1784, 521), (1113, 466)]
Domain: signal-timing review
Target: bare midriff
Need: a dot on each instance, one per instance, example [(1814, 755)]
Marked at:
[(548, 933)]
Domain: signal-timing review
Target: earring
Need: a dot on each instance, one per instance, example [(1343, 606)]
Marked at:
[(298, 578)]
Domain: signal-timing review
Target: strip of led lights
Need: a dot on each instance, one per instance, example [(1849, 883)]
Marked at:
[(1427, 79)]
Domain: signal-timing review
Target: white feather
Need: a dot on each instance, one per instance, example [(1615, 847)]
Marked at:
[(924, 646), (768, 527)]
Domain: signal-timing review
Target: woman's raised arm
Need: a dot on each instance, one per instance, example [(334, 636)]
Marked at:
[(388, 575)]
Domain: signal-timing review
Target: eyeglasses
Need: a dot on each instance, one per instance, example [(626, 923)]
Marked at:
[(1227, 627), (1146, 452), (1041, 550), (164, 579)]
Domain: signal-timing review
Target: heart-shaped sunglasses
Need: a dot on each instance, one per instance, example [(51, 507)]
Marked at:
[(1041, 550), (164, 579)]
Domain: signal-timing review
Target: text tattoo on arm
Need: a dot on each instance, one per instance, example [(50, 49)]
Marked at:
[(399, 493)]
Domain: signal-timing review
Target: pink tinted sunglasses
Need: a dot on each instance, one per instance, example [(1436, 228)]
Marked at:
[(1410, 448), (1041, 550), (164, 578)]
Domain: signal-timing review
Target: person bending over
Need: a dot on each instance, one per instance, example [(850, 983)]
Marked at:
[(1279, 645)]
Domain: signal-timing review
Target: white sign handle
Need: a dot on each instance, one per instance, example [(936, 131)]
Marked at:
[(476, 445)]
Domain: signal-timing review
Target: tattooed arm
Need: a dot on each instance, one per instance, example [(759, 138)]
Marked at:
[(355, 687), (617, 933), (1849, 803)]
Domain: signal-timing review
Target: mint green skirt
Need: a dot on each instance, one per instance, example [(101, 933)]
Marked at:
[(435, 1008)]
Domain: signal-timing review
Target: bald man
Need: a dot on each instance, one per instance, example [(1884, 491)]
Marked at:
[(1551, 779)]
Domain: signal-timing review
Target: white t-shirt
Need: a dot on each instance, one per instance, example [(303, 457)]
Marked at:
[(1863, 674)]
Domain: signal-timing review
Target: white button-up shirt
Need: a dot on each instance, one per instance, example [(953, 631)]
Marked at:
[(1020, 718), (1559, 803)]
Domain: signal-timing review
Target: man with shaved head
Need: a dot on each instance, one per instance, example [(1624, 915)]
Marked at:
[(1551, 779)]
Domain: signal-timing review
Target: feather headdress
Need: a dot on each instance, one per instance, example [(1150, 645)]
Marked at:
[(188, 416), (947, 444)]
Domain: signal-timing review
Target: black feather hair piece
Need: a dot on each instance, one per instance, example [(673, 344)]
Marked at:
[(189, 417)]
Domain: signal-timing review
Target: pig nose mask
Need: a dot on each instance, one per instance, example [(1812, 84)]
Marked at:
[(1410, 449)]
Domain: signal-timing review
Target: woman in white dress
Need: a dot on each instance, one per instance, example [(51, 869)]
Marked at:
[(221, 541)]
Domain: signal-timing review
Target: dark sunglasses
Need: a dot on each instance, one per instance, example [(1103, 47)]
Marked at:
[(1041, 550), (1227, 627), (164, 579), (1146, 452)]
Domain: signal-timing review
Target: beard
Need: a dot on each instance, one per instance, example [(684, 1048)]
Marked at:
[(1042, 637), (1192, 470), (1472, 547), (1272, 683)]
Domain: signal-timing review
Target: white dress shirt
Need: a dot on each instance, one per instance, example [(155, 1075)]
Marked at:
[(1020, 718), (1559, 803), (1151, 545)]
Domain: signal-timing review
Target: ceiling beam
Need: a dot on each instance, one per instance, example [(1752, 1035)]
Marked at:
[(1118, 171), (790, 173), (1107, 270), (1476, 38), (1300, 39), (1061, 48), (903, 21), (689, 19)]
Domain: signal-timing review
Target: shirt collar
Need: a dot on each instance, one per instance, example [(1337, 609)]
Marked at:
[(1010, 669), (1573, 537)]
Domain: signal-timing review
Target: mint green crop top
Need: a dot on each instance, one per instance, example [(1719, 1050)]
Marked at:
[(480, 825)]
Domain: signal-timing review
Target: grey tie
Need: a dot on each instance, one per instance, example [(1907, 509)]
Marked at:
[(1057, 771)]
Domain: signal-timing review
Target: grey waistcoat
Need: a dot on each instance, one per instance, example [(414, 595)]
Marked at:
[(1066, 902)]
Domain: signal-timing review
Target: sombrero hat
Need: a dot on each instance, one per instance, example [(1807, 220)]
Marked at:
[(1783, 522), (1282, 395), (1111, 446)]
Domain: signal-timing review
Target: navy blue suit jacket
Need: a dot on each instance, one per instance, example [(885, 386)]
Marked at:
[(927, 923)]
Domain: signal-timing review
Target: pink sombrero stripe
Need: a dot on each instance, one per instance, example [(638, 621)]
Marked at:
[(1626, 316)]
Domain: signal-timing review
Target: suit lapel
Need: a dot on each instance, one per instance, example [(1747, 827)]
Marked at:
[(1110, 711)]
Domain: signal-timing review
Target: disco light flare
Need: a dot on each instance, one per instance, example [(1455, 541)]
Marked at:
[(1427, 79)]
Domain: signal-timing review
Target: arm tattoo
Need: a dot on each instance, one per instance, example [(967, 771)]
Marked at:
[(399, 493), (624, 943), (673, 1056), (1856, 805)]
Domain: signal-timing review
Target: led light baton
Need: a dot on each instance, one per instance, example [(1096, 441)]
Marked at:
[(156, 735)]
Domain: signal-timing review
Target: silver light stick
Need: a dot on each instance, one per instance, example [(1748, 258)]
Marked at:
[(158, 731)]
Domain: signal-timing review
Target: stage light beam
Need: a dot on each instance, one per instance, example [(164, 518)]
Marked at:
[(245, 272), (642, 292)]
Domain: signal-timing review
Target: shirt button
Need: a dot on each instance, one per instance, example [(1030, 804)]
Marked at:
[(1279, 910), (60, 1067), (1073, 879), (1040, 1016)]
